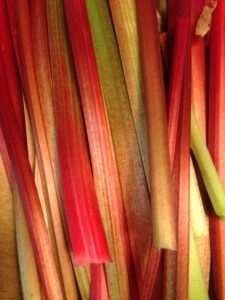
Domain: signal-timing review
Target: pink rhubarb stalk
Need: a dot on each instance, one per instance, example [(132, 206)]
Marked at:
[(216, 141)]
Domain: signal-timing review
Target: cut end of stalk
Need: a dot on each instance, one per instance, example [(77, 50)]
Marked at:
[(204, 21)]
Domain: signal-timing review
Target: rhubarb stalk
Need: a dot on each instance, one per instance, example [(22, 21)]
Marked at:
[(125, 24), (216, 141), (162, 204)]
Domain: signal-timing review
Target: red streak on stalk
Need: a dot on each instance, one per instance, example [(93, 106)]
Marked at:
[(24, 175), (198, 62), (5, 158), (182, 188), (83, 218), (151, 274), (9, 65), (179, 140), (99, 290), (175, 86), (216, 140), (95, 117), (11, 13), (178, 10), (174, 132), (198, 53)]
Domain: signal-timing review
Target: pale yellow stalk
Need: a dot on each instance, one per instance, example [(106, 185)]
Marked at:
[(197, 285)]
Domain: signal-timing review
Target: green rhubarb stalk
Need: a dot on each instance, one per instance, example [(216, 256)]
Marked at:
[(29, 276), (197, 213), (83, 282), (210, 176), (131, 171), (197, 285), (30, 281), (125, 24)]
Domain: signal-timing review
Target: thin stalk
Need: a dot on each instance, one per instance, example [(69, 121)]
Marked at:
[(209, 173)]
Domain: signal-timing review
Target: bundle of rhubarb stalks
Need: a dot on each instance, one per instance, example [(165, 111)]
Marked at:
[(112, 149)]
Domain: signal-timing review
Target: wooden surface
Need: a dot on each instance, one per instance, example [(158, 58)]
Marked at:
[(9, 272)]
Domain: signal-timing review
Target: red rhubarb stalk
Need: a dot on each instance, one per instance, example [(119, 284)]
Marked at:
[(216, 141), (181, 175), (174, 109), (151, 273), (11, 14), (9, 65), (176, 75), (99, 289)]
